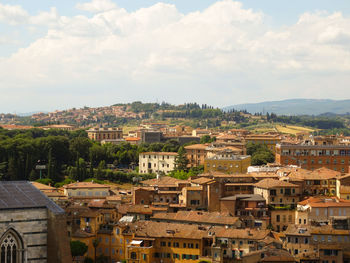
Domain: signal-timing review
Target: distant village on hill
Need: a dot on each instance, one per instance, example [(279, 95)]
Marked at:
[(162, 183)]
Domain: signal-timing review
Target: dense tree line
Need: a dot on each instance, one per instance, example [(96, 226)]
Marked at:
[(193, 113), (311, 121), (69, 154)]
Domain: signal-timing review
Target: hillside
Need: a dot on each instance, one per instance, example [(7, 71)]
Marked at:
[(296, 107)]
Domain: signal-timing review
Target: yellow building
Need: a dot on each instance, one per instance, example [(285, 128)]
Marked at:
[(86, 190), (227, 164), (147, 242), (166, 242), (281, 219), (99, 134), (278, 193)]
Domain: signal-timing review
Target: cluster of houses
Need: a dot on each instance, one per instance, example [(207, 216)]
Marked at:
[(295, 210), (275, 214)]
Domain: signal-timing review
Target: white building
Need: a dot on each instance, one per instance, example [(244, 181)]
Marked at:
[(157, 162)]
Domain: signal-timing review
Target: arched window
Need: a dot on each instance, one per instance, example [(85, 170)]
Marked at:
[(11, 248)]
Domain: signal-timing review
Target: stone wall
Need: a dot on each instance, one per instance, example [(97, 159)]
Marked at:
[(31, 226), (58, 242)]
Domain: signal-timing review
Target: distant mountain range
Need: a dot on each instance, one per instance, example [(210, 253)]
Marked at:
[(296, 107)]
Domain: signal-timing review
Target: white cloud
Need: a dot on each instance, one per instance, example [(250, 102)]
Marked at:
[(50, 18), (13, 14), (97, 6), (215, 56)]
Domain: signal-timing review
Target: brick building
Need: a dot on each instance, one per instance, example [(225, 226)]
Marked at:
[(312, 157)]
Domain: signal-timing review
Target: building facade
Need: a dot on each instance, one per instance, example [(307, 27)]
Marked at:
[(227, 164), (312, 157), (157, 162), (100, 134)]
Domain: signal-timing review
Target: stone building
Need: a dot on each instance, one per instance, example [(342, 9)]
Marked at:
[(99, 134), (227, 163), (32, 227), (157, 162)]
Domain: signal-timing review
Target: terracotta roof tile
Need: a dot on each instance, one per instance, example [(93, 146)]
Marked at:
[(198, 217), (272, 183), (85, 185)]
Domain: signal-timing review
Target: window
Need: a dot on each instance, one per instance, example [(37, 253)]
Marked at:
[(162, 244), (278, 218), (11, 246), (133, 255), (144, 256), (184, 245)]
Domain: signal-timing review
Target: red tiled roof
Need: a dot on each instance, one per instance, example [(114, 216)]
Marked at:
[(272, 183)]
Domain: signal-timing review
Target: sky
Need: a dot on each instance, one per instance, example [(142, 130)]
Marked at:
[(67, 53)]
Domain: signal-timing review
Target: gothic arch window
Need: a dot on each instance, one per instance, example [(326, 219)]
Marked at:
[(11, 248)]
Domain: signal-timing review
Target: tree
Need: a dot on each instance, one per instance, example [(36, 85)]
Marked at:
[(100, 168), (207, 139), (95, 244), (88, 260), (181, 160), (78, 248), (12, 169), (33, 176), (260, 154), (79, 146), (51, 173)]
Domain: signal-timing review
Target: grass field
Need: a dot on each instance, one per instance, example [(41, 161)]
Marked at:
[(292, 129)]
